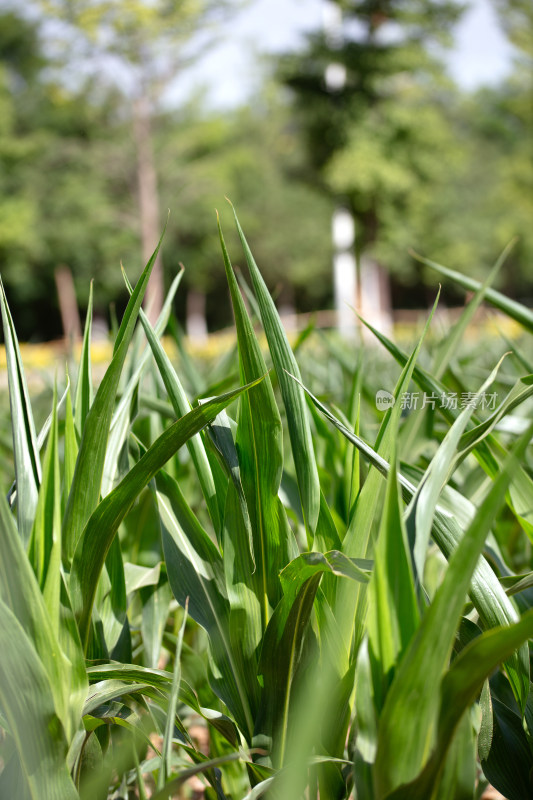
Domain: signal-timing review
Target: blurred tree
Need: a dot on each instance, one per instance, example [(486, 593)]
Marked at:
[(516, 18), (250, 155), (140, 46), (372, 101), (19, 63), (419, 164), (493, 188), (67, 192), (62, 162)]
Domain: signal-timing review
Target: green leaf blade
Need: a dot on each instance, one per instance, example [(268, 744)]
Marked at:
[(260, 448), (27, 700), (101, 528), (293, 397), (86, 484), (413, 696), (25, 449)]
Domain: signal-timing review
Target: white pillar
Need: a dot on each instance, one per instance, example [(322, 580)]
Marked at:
[(196, 324), (342, 224), (375, 303), (372, 296), (344, 270)]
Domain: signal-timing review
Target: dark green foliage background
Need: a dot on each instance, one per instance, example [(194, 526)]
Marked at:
[(421, 163)]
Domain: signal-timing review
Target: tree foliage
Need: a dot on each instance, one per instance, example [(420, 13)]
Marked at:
[(405, 149), (421, 163), (68, 182), (372, 136), (61, 165), (249, 156)]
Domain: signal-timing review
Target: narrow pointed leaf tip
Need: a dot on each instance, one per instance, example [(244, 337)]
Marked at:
[(293, 396)]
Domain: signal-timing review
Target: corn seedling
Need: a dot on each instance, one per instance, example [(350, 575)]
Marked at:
[(339, 594)]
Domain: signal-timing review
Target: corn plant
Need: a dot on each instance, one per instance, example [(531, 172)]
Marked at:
[(292, 582), (63, 591)]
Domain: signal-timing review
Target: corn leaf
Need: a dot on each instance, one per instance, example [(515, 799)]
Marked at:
[(84, 387), (512, 308), (447, 348), (460, 687), (155, 602), (181, 406), (486, 592), (421, 510), (45, 548), (508, 762), (449, 344), (393, 615), (121, 421), (413, 696), (293, 397), (260, 447), (284, 642), (25, 449), (98, 534), (27, 701), (351, 610), (160, 679), (86, 484), (487, 449), (112, 608), (70, 453), (220, 435), (166, 760), (196, 572), (21, 594)]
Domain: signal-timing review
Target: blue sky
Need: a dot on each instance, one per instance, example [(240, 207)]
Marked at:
[(230, 73)]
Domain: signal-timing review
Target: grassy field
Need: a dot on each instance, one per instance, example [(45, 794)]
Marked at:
[(287, 570)]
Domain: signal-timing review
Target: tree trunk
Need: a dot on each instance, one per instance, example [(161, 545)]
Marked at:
[(196, 321), (374, 294), (286, 307), (68, 305), (148, 204), (375, 300)]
